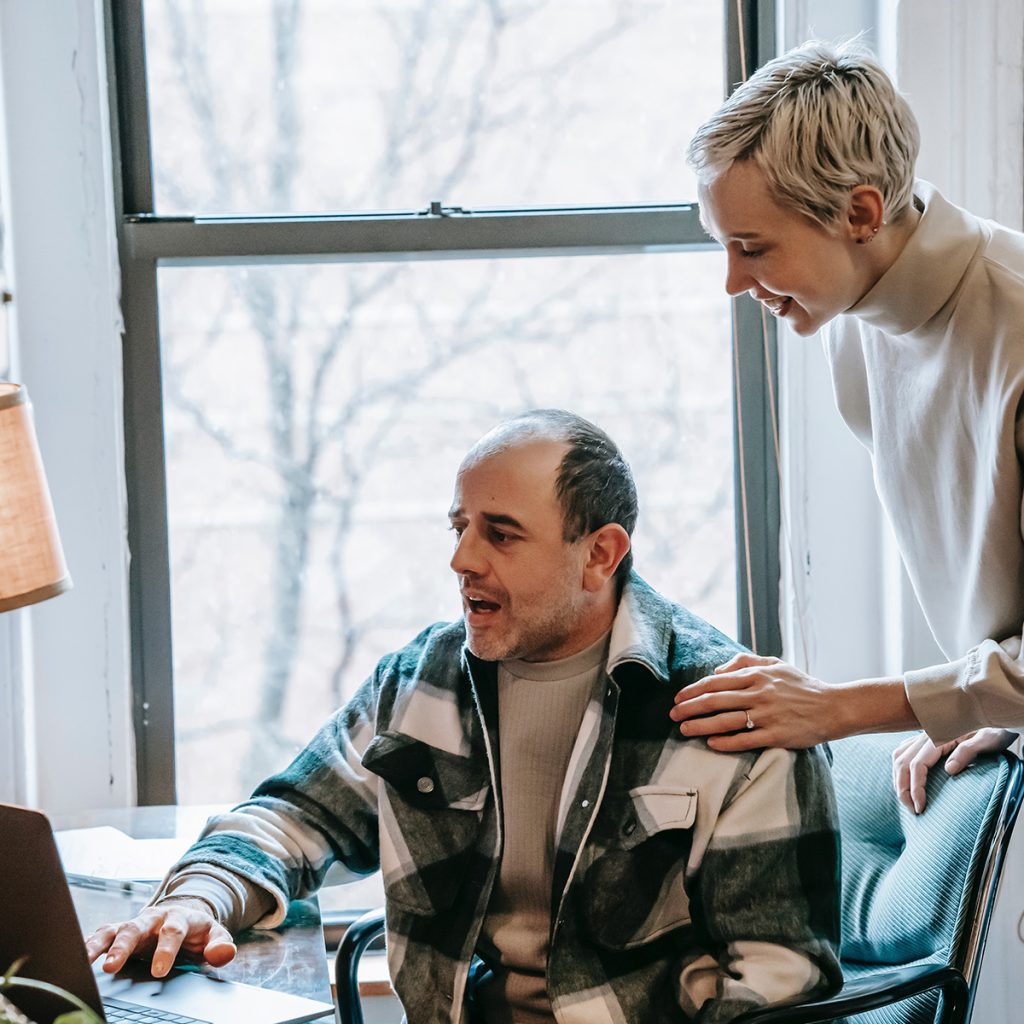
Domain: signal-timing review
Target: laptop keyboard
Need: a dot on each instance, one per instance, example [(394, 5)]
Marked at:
[(132, 1013)]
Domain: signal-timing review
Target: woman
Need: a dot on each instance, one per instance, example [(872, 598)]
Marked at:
[(806, 177)]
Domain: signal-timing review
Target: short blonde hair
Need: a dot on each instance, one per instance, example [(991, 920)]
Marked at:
[(818, 120)]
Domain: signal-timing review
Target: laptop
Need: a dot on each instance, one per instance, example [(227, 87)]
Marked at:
[(38, 921)]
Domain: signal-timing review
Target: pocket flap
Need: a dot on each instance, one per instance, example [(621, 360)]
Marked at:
[(427, 776), (662, 807)]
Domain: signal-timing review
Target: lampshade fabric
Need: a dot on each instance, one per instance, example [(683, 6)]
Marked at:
[(32, 564)]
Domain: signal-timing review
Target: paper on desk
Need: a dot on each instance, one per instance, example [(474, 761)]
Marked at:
[(105, 852)]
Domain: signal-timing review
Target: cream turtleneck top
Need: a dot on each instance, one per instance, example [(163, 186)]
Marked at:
[(928, 370)]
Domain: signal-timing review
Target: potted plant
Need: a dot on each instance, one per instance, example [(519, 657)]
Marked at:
[(10, 1014)]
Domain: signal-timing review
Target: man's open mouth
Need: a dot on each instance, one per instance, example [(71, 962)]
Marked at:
[(477, 604)]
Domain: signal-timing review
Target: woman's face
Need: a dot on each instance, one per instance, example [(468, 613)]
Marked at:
[(801, 272)]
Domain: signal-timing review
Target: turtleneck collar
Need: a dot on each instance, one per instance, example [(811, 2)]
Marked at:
[(928, 270), (564, 668)]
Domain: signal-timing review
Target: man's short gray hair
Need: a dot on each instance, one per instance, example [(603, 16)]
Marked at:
[(818, 121), (594, 483)]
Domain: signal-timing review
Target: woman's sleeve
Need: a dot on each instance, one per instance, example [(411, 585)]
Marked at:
[(983, 688)]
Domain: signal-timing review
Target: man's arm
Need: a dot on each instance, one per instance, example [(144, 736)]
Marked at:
[(767, 892), (250, 862)]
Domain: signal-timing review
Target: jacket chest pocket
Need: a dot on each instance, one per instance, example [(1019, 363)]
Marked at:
[(431, 808), (633, 890)]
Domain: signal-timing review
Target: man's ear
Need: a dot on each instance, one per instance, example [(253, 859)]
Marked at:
[(866, 214), (607, 546)]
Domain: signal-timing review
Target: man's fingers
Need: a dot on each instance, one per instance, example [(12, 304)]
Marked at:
[(166, 930), (169, 939), (99, 941), (221, 947), (123, 945)]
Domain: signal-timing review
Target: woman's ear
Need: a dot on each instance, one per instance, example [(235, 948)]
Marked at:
[(866, 214), (607, 546)]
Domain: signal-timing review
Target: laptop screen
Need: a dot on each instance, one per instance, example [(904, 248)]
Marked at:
[(39, 920)]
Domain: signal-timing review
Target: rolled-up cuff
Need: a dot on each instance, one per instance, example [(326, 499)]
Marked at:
[(942, 700), (237, 902)]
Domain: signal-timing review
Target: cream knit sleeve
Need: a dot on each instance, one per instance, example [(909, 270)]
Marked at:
[(983, 688)]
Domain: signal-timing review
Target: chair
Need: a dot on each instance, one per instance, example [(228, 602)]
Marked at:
[(917, 893), (358, 936)]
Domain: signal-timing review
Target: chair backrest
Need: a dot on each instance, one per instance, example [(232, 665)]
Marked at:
[(919, 888)]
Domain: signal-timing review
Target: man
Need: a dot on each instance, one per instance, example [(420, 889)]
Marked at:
[(516, 777)]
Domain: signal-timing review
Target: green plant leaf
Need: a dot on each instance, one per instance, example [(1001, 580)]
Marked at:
[(12, 971), (82, 1015)]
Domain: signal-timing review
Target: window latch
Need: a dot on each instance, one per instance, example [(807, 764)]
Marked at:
[(438, 209)]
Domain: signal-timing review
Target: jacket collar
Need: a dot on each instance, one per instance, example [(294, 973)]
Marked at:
[(641, 633), (642, 630)]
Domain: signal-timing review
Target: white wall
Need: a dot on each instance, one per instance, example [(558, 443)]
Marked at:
[(962, 67), (972, 129), (72, 651), (846, 599)]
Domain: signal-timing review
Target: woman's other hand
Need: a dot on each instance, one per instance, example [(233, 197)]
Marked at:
[(917, 755)]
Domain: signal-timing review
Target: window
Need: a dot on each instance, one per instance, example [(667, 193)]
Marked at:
[(355, 236)]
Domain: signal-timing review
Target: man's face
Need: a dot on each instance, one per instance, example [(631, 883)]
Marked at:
[(801, 272), (521, 583)]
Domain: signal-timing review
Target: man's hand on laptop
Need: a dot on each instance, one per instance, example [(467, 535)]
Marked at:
[(162, 931)]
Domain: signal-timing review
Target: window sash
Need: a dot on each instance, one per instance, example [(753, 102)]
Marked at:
[(148, 241)]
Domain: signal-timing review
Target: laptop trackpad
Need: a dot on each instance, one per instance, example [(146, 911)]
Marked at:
[(198, 995)]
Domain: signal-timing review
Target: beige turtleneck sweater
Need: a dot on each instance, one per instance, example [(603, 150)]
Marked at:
[(540, 707)]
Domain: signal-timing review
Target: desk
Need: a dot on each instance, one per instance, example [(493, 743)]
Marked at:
[(289, 958)]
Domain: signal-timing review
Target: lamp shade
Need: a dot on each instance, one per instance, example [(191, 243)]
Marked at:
[(32, 564)]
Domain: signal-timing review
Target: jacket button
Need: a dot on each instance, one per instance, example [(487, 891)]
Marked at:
[(425, 785), (629, 828)]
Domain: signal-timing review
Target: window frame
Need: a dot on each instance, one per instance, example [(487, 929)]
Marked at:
[(148, 240)]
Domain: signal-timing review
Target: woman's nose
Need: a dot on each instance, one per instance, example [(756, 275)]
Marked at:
[(737, 277)]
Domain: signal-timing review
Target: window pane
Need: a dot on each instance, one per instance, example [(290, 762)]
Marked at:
[(315, 417), (316, 105)]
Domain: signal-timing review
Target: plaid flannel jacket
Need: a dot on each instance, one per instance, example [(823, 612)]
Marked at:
[(689, 885)]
